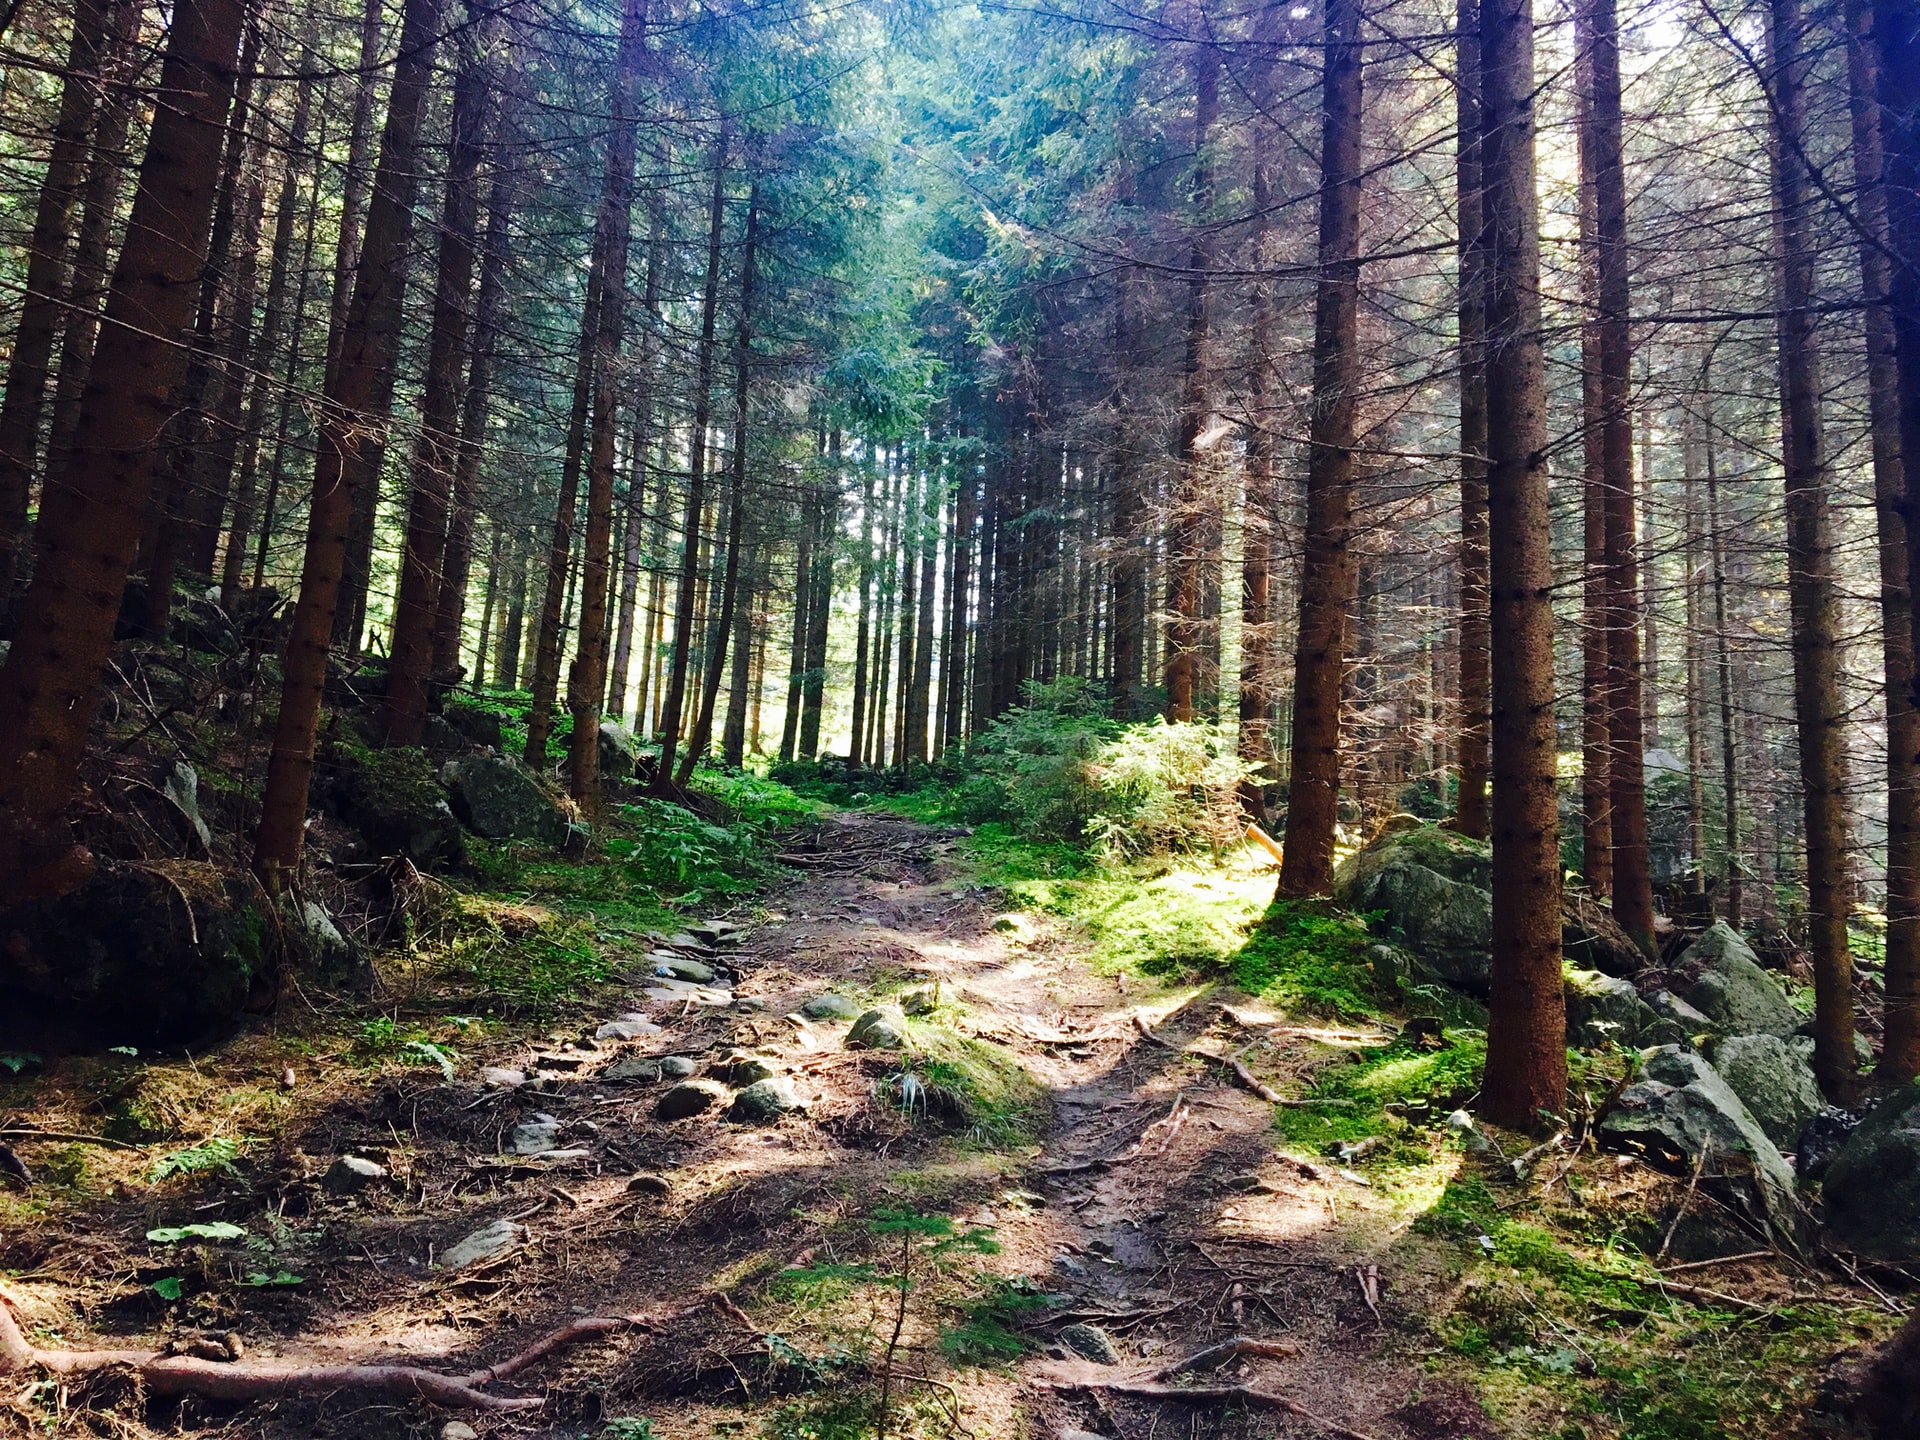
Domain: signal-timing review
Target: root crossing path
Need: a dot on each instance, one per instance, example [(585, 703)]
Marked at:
[(1202, 1278)]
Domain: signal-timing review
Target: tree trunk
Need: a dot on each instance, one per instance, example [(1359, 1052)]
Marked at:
[(1326, 579), (1470, 806), (29, 365), (637, 483), (1818, 714), (683, 618), (1526, 1074), (613, 229), (1723, 641), (351, 423), (436, 452), (92, 509), (1596, 711), (862, 637), (1260, 521)]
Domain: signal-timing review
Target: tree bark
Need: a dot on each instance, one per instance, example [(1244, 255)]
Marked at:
[(352, 420), (1327, 578), (1596, 709), (1476, 704), (643, 439), (1526, 1073), (92, 508)]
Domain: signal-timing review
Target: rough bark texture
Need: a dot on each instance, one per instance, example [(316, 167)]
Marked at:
[(1596, 753), (1526, 1072), (91, 512), (1810, 580), (1327, 574), (1476, 705), (351, 422)]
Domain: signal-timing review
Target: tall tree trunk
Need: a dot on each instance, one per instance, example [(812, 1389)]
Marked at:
[(91, 511), (29, 364), (587, 681), (351, 423), (1597, 758), (1476, 704), (1598, 37), (1818, 715), (643, 439), (736, 497), (933, 502), (856, 743), (1327, 579), (1900, 1051), (1526, 1074), (683, 618), (1723, 642), (1259, 526), (437, 450), (797, 647), (1189, 524), (813, 689)]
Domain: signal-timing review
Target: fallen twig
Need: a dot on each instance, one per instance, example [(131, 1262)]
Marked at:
[(1140, 1024), (1211, 1395), (251, 1380), (1717, 1260), (1716, 1297), (1214, 1356), (71, 1137)]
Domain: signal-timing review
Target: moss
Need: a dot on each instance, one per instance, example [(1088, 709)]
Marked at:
[(402, 777), (974, 1085), (1309, 954)]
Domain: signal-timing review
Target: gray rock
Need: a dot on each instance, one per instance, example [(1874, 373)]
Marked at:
[(1089, 1342), (633, 1068), (677, 1067), (484, 1244), (682, 968), (647, 1183), (477, 727), (743, 1069), (394, 799), (920, 1002), (328, 954), (765, 1101), (1822, 1138), (182, 787), (616, 751), (1772, 1077), (830, 1007), (534, 1136), (1603, 1009), (1471, 1135), (1682, 1105), (1731, 989), (499, 1077), (498, 798), (1670, 1006), (458, 1430), (1872, 1188), (351, 1174), (691, 1097), (884, 1028), (626, 1029)]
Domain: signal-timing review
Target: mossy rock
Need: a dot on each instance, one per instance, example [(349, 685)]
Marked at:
[(975, 1086), (394, 798), (1872, 1189)]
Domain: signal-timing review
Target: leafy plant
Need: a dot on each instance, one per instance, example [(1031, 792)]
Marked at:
[(260, 1279), (629, 1427), (425, 1052), (985, 1333), (216, 1154), (168, 1287), (18, 1062), (204, 1230)]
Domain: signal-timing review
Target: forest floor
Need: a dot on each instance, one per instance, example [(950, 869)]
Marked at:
[(1065, 1143)]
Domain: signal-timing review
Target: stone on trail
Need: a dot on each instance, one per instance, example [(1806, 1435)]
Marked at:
[(1872, 1189), (647, 1183), (627, 1027), (483, 1244), (499, 1077), (458, 1430), (680, 967), (499, 798), (1731, 989), (920, 1002), (1772, 1077), (691, 1097), (884, 1028), (741, 1068), (535, 1135), (765, 1101), (631, 1068), (677, 1067), (830, 1007), (1681, 1106), (351, 1174), (1089, 1342)]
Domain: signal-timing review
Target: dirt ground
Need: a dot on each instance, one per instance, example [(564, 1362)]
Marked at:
[(1158, 1204)]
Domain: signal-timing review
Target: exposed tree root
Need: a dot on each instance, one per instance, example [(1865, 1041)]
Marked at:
[(248, 1380)]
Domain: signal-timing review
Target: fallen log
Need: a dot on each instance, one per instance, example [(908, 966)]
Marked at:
[(249, 1380)]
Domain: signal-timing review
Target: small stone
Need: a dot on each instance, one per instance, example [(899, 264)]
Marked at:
[(1067, 1265), (681, 968), (351, 1174), (647, 1183), (1471, 1136), (632, 1069), (499, 1077), (765, 1101), (1090, 1342), (1069, 1433), (681, 940), (483, 1244), (677, 1067), (626, 1030), (881, 1029), (534, 1136), (458, 1430), (743, 1069), (691, 1097), (830, 1007), (1250, 1185)]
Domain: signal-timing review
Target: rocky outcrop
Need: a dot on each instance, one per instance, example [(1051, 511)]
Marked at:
[(1722, 979), (1602, 1009), (1872, 1188), (616, 751), (1682, 1108), (393, 798), (499, 799), (1773, 1079)]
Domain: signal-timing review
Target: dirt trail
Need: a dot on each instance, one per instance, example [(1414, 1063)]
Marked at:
[(1159, 1199)]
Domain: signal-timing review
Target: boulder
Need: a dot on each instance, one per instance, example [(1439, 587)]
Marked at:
[(477, 727), (501, 1077), (680, 967), (1724, 981), (830, 1007), (393, 798), (677, 1067), (1822, 1138), (327, 955), (765, 1101), (351, 1174), (535, 1135), (1602, 1009), (183, 789), (634, 1069), (1671, 1007), (882, 1029), (741, 1068), (616, 751), (498, 798), (1872, 1188), (1432, 890), (691, 1097), (1089, 1342), (483, 1244), (1773, 1079), (1681, 1106)]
